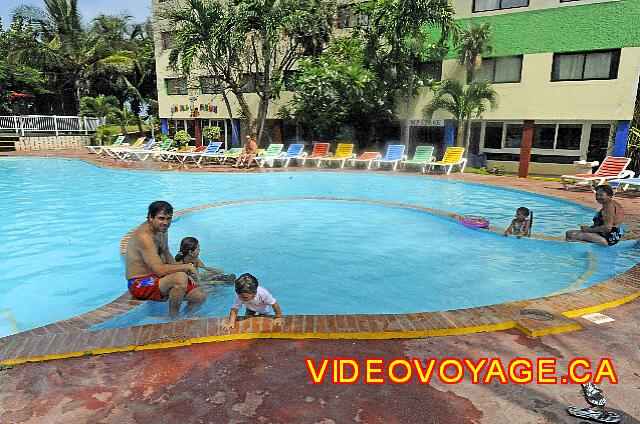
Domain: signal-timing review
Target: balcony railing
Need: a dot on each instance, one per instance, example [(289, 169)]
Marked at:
[(48, 124)]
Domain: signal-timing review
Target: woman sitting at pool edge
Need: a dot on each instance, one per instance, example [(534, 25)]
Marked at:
[(605, 230)]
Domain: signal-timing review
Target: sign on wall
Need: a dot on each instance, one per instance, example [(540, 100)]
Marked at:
[(425, 123)]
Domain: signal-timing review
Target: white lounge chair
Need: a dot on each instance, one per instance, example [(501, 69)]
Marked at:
[(395, 154), (612, 168), (295, 151), (452, 156)]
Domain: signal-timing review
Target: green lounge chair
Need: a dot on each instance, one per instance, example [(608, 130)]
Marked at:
[(422, 155)]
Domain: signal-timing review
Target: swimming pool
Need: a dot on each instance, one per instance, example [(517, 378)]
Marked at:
[(64, 220)]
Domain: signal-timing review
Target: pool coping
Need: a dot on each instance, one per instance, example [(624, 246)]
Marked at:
[(534, 317)]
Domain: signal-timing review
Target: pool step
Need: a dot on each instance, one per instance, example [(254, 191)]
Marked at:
[(8, 143)]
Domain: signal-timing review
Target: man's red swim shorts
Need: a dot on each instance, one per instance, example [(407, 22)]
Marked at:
[(148, 288)]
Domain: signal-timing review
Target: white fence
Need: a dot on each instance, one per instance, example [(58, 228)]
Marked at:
[(48, 124)]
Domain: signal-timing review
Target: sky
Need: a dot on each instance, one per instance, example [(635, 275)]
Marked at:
[(139, 9)]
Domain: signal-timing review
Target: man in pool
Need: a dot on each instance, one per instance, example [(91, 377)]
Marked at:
[(151, 271)]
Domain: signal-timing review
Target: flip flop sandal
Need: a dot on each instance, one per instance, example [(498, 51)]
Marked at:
[(593, 394), (598, 415)]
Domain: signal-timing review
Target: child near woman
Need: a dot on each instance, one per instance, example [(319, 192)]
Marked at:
[(189, 253), (521, 225)]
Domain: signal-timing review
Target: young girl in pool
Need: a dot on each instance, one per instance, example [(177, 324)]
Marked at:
[(189, 253), (521, 225)]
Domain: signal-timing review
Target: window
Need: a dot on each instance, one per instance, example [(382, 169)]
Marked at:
[(493, 135), (289, 80), (569, 136), (500, 69), (348, 17), (211, 85), (557, 136), (485, 5), (429, 71), (543, 136), (513, 136), (175, 86), (167, 40), (585, 66)]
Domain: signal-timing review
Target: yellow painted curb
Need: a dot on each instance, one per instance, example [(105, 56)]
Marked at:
[(546, 331), (597, 308)]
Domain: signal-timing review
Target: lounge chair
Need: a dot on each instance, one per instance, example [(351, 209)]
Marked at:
[(206, 152), (111, 150), (272, 151), (144, 155), (395, 153), (171, 153), (99, 149), (625, 183), (319, 151), (232, 153), (295, 151), (612, 168), (366, 158), (124, 154), (422, 155), (452, 157), (343, 152)]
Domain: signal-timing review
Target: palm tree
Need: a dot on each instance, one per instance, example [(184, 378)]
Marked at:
[(475, 42), (463, 103), (62, 47), (102, 107)]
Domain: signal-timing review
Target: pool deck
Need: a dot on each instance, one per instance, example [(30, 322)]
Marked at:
[(519, 321)]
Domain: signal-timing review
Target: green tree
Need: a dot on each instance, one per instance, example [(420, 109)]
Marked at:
[(61, 47), (335, 90), (463, 102), (103, 107), (474, 43), (249, 44), (397, 37), (15, 78)]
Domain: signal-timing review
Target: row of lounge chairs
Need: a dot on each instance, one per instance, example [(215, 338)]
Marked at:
[(273, 155)]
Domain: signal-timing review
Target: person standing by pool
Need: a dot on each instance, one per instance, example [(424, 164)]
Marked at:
[(605, 230), (249, 151), (151, 271)]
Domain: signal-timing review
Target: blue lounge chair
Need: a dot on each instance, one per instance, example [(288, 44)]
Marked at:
[(295, 151), (395, 153)]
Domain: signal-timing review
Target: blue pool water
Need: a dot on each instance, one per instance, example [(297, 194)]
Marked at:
[(64, 221)]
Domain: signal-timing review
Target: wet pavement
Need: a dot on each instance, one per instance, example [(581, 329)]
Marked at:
[(267, 381)]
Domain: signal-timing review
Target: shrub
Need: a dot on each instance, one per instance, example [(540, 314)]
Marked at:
[(482, 170), (182, 138), (105, 135), (211, 133)]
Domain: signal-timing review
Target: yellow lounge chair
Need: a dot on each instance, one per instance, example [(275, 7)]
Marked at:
[(452, 156), (343, 152)]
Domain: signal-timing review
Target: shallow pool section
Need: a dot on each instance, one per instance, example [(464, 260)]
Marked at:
[(338, 257), (64, 219)]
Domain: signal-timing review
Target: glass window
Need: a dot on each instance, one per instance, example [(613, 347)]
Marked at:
[(176, 86), (484, 5), (211, 85), (513, 137), (508, 69), (493, 135), (500, 69), (585, 66), (569, 136), (599, 141), (544, 136), (167, 40), (289, 80), (429, 71)]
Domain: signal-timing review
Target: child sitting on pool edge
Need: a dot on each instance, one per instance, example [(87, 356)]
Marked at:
[(189, 253), (256, 299), (521, 226)]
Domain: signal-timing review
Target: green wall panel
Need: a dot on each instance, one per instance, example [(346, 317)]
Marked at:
[(564, 29)]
